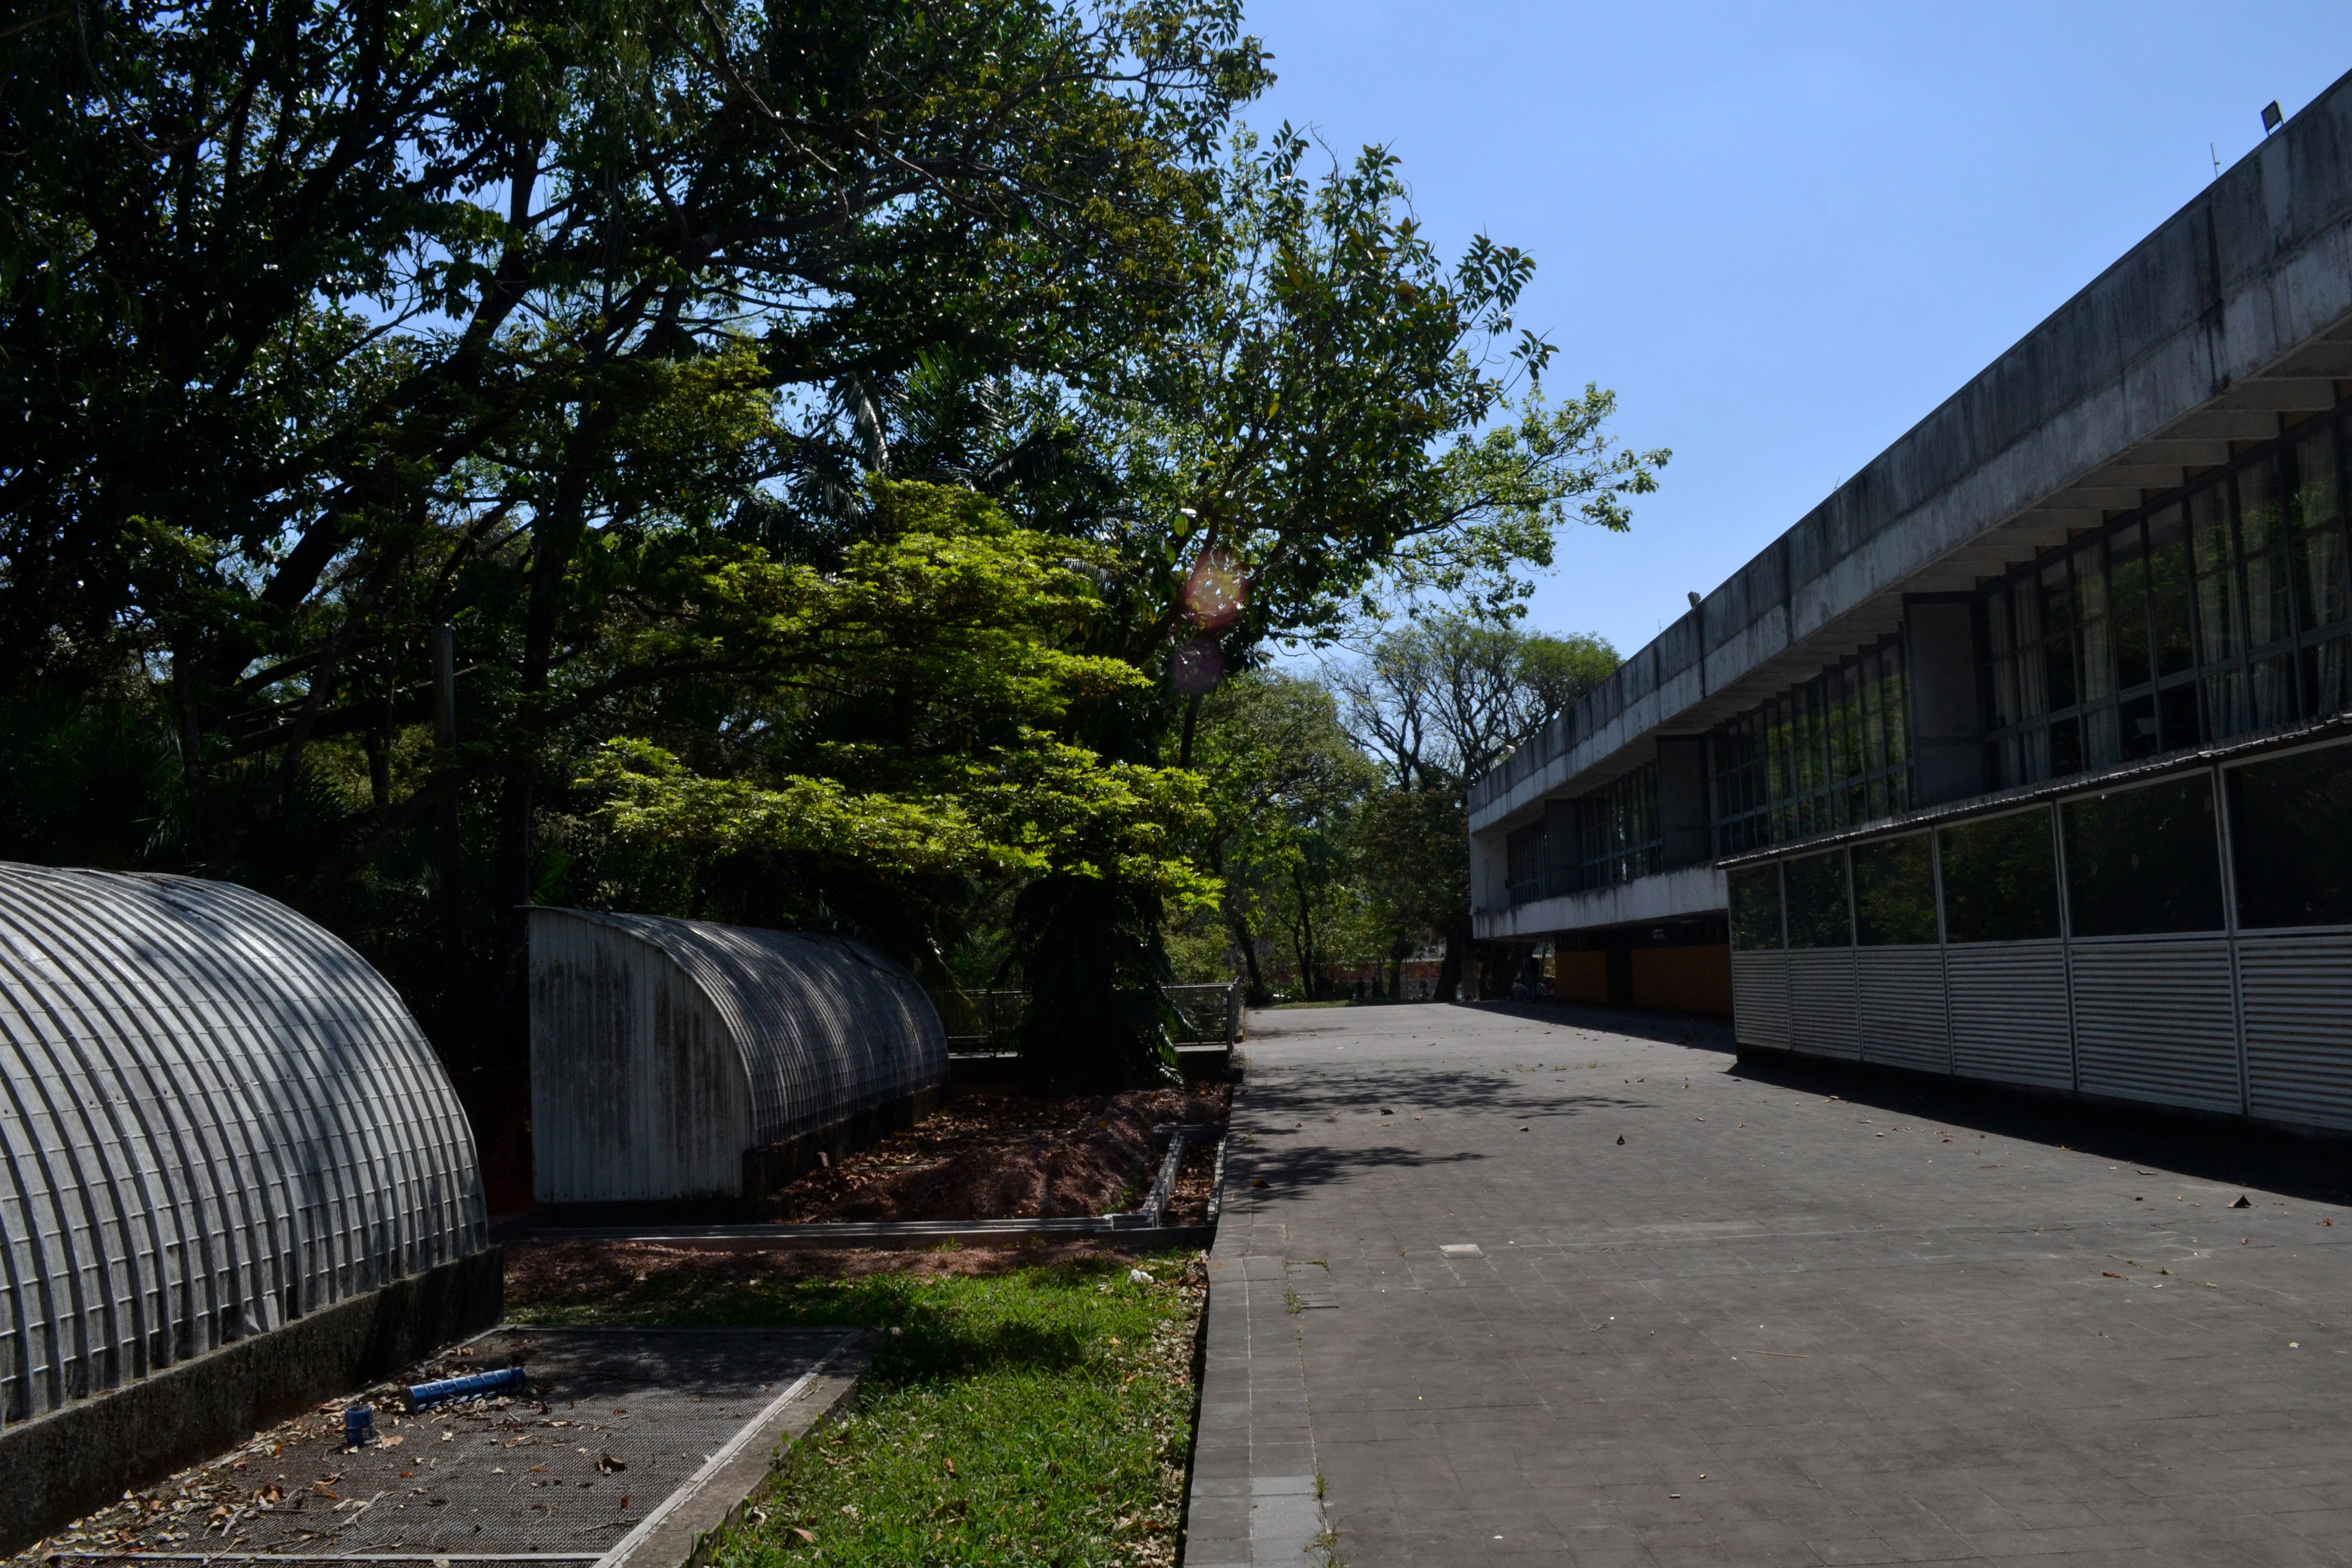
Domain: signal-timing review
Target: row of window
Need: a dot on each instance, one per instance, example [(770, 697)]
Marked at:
[(2142, 860), (2220, 610), (1606, 837), (1834, 753), (2216, 611)]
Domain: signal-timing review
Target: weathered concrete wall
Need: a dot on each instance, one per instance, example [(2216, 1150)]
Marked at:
[(62, 1465), (2257, 265), (1669, 895)]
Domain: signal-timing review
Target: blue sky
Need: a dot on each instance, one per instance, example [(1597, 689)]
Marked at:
[(1783, 233)]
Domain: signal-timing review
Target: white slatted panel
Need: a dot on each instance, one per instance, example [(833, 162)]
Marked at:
[(2153, 1021), (2009, 1012), (2298, 993), (1759, 999), (1821, 1020), (1903, 1023)]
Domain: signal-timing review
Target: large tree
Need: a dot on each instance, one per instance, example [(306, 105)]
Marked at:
[(1438, 701), (327, 325)]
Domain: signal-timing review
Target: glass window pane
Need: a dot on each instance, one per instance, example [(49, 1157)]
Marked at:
[(2057, 600), (2226, 710), (2176, 706), (2315, 503), (2219, 626), (2261, 510), (1894, 891), (2274, 691), (2315, 514), (2102, 743), (2268, 617), (2209, 529), (1899, 711), (1755, 908), (2169, 591), (2327, 678), (2127, 570), (2004, 694), (2291, 834), (2136, 720), (2065, 748), (2000, 879), (1818, 916), (2144, 860)]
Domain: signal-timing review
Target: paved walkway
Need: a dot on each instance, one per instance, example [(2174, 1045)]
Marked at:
[(1529, 1285)]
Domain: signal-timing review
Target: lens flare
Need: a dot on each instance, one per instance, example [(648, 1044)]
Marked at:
[(1215, 591)]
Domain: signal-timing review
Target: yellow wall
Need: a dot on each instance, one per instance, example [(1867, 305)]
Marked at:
[(1581, 976), (1686, 979)]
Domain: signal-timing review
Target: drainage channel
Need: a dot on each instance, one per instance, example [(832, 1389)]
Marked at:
[(630, 1443)]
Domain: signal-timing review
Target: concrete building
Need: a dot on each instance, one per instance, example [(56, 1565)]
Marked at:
[(2026, 755)]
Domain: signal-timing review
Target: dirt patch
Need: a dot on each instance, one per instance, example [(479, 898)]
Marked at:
[(584, 1272), (1007, 1156)]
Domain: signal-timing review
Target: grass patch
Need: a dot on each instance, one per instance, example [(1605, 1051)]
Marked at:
[(1040, 1414)]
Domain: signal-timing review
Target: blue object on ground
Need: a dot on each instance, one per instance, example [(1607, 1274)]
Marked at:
[(359, 1426), (507, 1380)]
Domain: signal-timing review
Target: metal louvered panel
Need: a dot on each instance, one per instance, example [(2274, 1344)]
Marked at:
[(2298, 1026), (1821, 1020), (1902, 1021), (2153, 1021), (797, 1030), (1759, 999), (2009, 1012), (215, 1117)]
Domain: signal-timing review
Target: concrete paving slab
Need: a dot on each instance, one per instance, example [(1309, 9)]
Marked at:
[(1887, 1321), (629, 1448)]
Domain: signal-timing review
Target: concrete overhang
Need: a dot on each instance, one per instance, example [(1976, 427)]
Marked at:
[(1669, 895), (2228, 324)]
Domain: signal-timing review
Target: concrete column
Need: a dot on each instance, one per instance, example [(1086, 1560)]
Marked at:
[(1682, 800), (1490, 873), (1946, 714)]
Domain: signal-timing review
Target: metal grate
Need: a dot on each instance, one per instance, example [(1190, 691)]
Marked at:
[(617, 1420), (2009, 1012), (1759, 998), (2154, 1021), (2298, 1029), (1822, 1002), (1903, 1019)]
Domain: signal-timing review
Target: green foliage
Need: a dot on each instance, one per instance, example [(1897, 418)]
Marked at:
[(1039, 1415), (1286, 786), (803, 419)]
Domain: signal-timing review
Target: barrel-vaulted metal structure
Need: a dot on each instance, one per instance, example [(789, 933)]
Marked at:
[(663, 1051), (217, 1118)]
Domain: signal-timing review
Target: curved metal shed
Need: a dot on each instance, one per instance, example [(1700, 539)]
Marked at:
[(217, 1117), (662, 1051)]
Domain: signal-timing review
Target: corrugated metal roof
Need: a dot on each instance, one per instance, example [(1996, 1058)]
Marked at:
[(822, 1026), (217, 1117)]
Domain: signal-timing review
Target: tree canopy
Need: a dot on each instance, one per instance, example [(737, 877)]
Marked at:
[(796, 464)]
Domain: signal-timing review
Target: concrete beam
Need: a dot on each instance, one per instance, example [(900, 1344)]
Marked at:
[(1669, 895)]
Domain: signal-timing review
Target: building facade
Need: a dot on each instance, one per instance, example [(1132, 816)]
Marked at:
[(2026, 755)]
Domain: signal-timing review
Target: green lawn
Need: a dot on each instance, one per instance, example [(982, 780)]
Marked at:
[(1042, 1415)]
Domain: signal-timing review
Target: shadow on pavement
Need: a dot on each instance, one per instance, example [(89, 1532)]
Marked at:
[(2224, 1151), (1408, 1090), (1318, 1166), (1703, 1030)]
